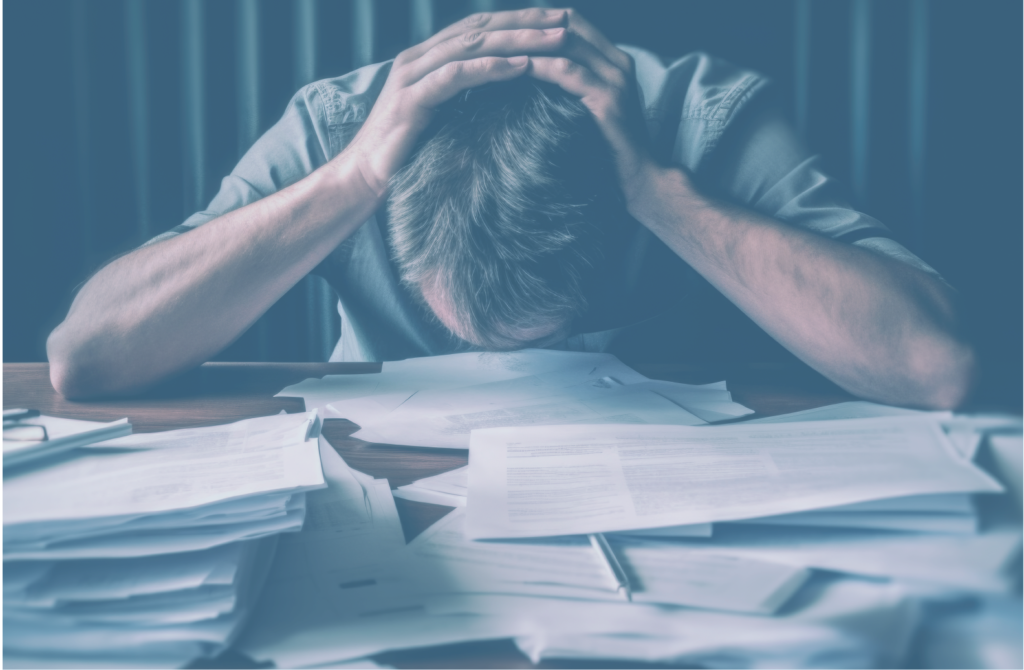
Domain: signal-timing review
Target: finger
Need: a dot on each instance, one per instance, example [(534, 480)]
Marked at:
[(571, 76), (598, 96), (578, 49), (575, 22), (479, 44), (534, 17), (447, 81)]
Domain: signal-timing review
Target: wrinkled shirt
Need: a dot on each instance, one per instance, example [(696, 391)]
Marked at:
[(716, 120)]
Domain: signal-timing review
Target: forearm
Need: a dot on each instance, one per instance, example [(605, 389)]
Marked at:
[(876, 327), (172, 305)]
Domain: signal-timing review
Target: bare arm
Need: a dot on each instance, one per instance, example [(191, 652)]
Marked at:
[(172, 305), (875, 326)]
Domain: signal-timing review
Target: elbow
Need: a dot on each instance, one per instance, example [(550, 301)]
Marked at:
[(70, 376), (946, 375), (67, 382), (63, 376)]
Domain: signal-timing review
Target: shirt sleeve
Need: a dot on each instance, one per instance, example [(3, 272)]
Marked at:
[(761, 162), (291, 149)]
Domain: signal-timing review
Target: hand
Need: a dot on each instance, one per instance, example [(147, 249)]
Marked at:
[(479, 49), (604, 78)]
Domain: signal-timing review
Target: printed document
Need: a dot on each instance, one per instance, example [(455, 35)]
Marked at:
[(442, 561), (250, 457), (558, 480), (452, 371), (444, 419)]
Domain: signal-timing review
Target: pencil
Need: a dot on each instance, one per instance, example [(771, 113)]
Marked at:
[(608, 558)]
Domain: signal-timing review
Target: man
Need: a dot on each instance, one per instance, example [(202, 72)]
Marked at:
[(818, 277)]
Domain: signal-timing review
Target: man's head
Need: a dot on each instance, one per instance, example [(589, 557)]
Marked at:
[(498, 220)]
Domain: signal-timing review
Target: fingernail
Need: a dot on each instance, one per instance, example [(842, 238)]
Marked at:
[(516, 61), (553, 31)]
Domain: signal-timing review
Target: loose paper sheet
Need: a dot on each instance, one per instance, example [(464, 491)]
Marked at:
[(452, 371), (443, 561), (558, 480), (444, 419)]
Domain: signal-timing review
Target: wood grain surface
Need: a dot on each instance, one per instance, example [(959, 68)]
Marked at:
[(220, 393)]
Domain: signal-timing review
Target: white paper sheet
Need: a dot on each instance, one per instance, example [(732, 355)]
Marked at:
[(427, 496), (451, 488), (710, 402), (857, 409), (250, 457), (155, 542), (444, 419), (252, 508), (687, 530), (981, 562), (557, 480), (354, 664), (166, 655), (452, 371), (66, 581), (180, 625), (453, 482), (917, 522), (948, 503), (965, 431), (507, 365), (323, 576), (443, 561), (174, 607), (851, 622)]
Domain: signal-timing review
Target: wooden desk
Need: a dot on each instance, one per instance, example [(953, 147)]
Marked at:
[(219, 393)]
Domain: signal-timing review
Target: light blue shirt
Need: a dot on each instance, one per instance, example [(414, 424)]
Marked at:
[(711, 117)]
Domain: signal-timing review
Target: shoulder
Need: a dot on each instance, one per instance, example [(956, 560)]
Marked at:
[(691, 101), (341, 104)]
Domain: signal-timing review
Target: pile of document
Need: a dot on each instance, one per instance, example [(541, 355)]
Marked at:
[(829, 538), (600, 517), (150, 550)]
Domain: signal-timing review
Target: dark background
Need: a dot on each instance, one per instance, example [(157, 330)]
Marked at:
[(121, 116)]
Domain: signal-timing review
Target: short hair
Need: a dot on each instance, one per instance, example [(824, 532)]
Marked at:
[(503, 207)]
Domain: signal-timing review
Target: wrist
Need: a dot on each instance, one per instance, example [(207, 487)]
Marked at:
[(345, 183), (661, 194)]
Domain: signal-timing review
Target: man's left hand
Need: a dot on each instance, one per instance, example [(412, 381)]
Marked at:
[(604, 78)]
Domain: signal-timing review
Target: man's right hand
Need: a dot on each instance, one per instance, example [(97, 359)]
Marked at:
[(481, 48)]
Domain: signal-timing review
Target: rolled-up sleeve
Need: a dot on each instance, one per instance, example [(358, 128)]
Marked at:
[(760, 162)]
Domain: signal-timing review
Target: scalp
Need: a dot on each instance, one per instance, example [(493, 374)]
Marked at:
[(502, 208)]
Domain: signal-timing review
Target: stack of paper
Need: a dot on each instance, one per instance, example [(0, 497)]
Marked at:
[(817, 540), (529, 482), (326, 603), (326, 598), (150, 549), (443, 561)]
